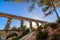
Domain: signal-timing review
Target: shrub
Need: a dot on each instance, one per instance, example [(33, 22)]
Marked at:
[(42, 36), (15, 38), (58, 21), (24, 33)]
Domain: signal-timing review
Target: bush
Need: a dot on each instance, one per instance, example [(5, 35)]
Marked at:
[(58, 21), (39, 28), (24, 33), (11, 35), (53, 25), (15, 38), (41, 36)]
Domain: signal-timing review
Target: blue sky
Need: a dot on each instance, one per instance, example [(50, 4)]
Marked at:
[(21, 9)]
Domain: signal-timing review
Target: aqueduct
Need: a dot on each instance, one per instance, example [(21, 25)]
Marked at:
[(22, 19)]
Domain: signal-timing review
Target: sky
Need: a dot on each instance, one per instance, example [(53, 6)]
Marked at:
[(21, 9)]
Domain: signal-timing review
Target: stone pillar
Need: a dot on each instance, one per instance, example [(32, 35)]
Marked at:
[(8, 24), (37, 24), (22, 23), (22, 28), (31, 27)]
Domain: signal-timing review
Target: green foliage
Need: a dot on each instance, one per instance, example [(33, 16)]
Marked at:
[(49, 5), (45, 9), (39, 28), (53, 25), (24, 33), (42, 36), (39, 3), (58, 21), (46, 25), (15, 38), (11, 35)]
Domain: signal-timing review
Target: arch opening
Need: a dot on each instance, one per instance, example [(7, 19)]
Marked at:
[(15, 24), (40, 24), (34, 25), (3, 22), (26, 24)]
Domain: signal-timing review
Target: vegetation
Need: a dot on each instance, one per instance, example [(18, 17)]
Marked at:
[(42, 36), (58, 20), (47, 5), (14, 28), (39, 28), (24, 33), (15, 38), (11, 35)]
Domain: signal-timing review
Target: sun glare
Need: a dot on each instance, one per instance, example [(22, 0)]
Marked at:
[(28, 26), (39, 24), (33, 25)]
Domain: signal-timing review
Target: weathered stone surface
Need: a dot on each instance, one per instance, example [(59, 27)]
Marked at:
[(4, 34)]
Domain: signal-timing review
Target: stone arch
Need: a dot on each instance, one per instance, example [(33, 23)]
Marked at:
[(27, 24), (3, 22), (10, 17), (39, 24), (15, 23), (11, 34), (34, 25)]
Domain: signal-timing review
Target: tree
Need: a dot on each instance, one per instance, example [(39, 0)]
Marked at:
[(47, 5), (58, 21), (41, 35), (14, 28)]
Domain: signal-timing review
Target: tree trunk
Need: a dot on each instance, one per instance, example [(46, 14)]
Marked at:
[(55, 10)]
